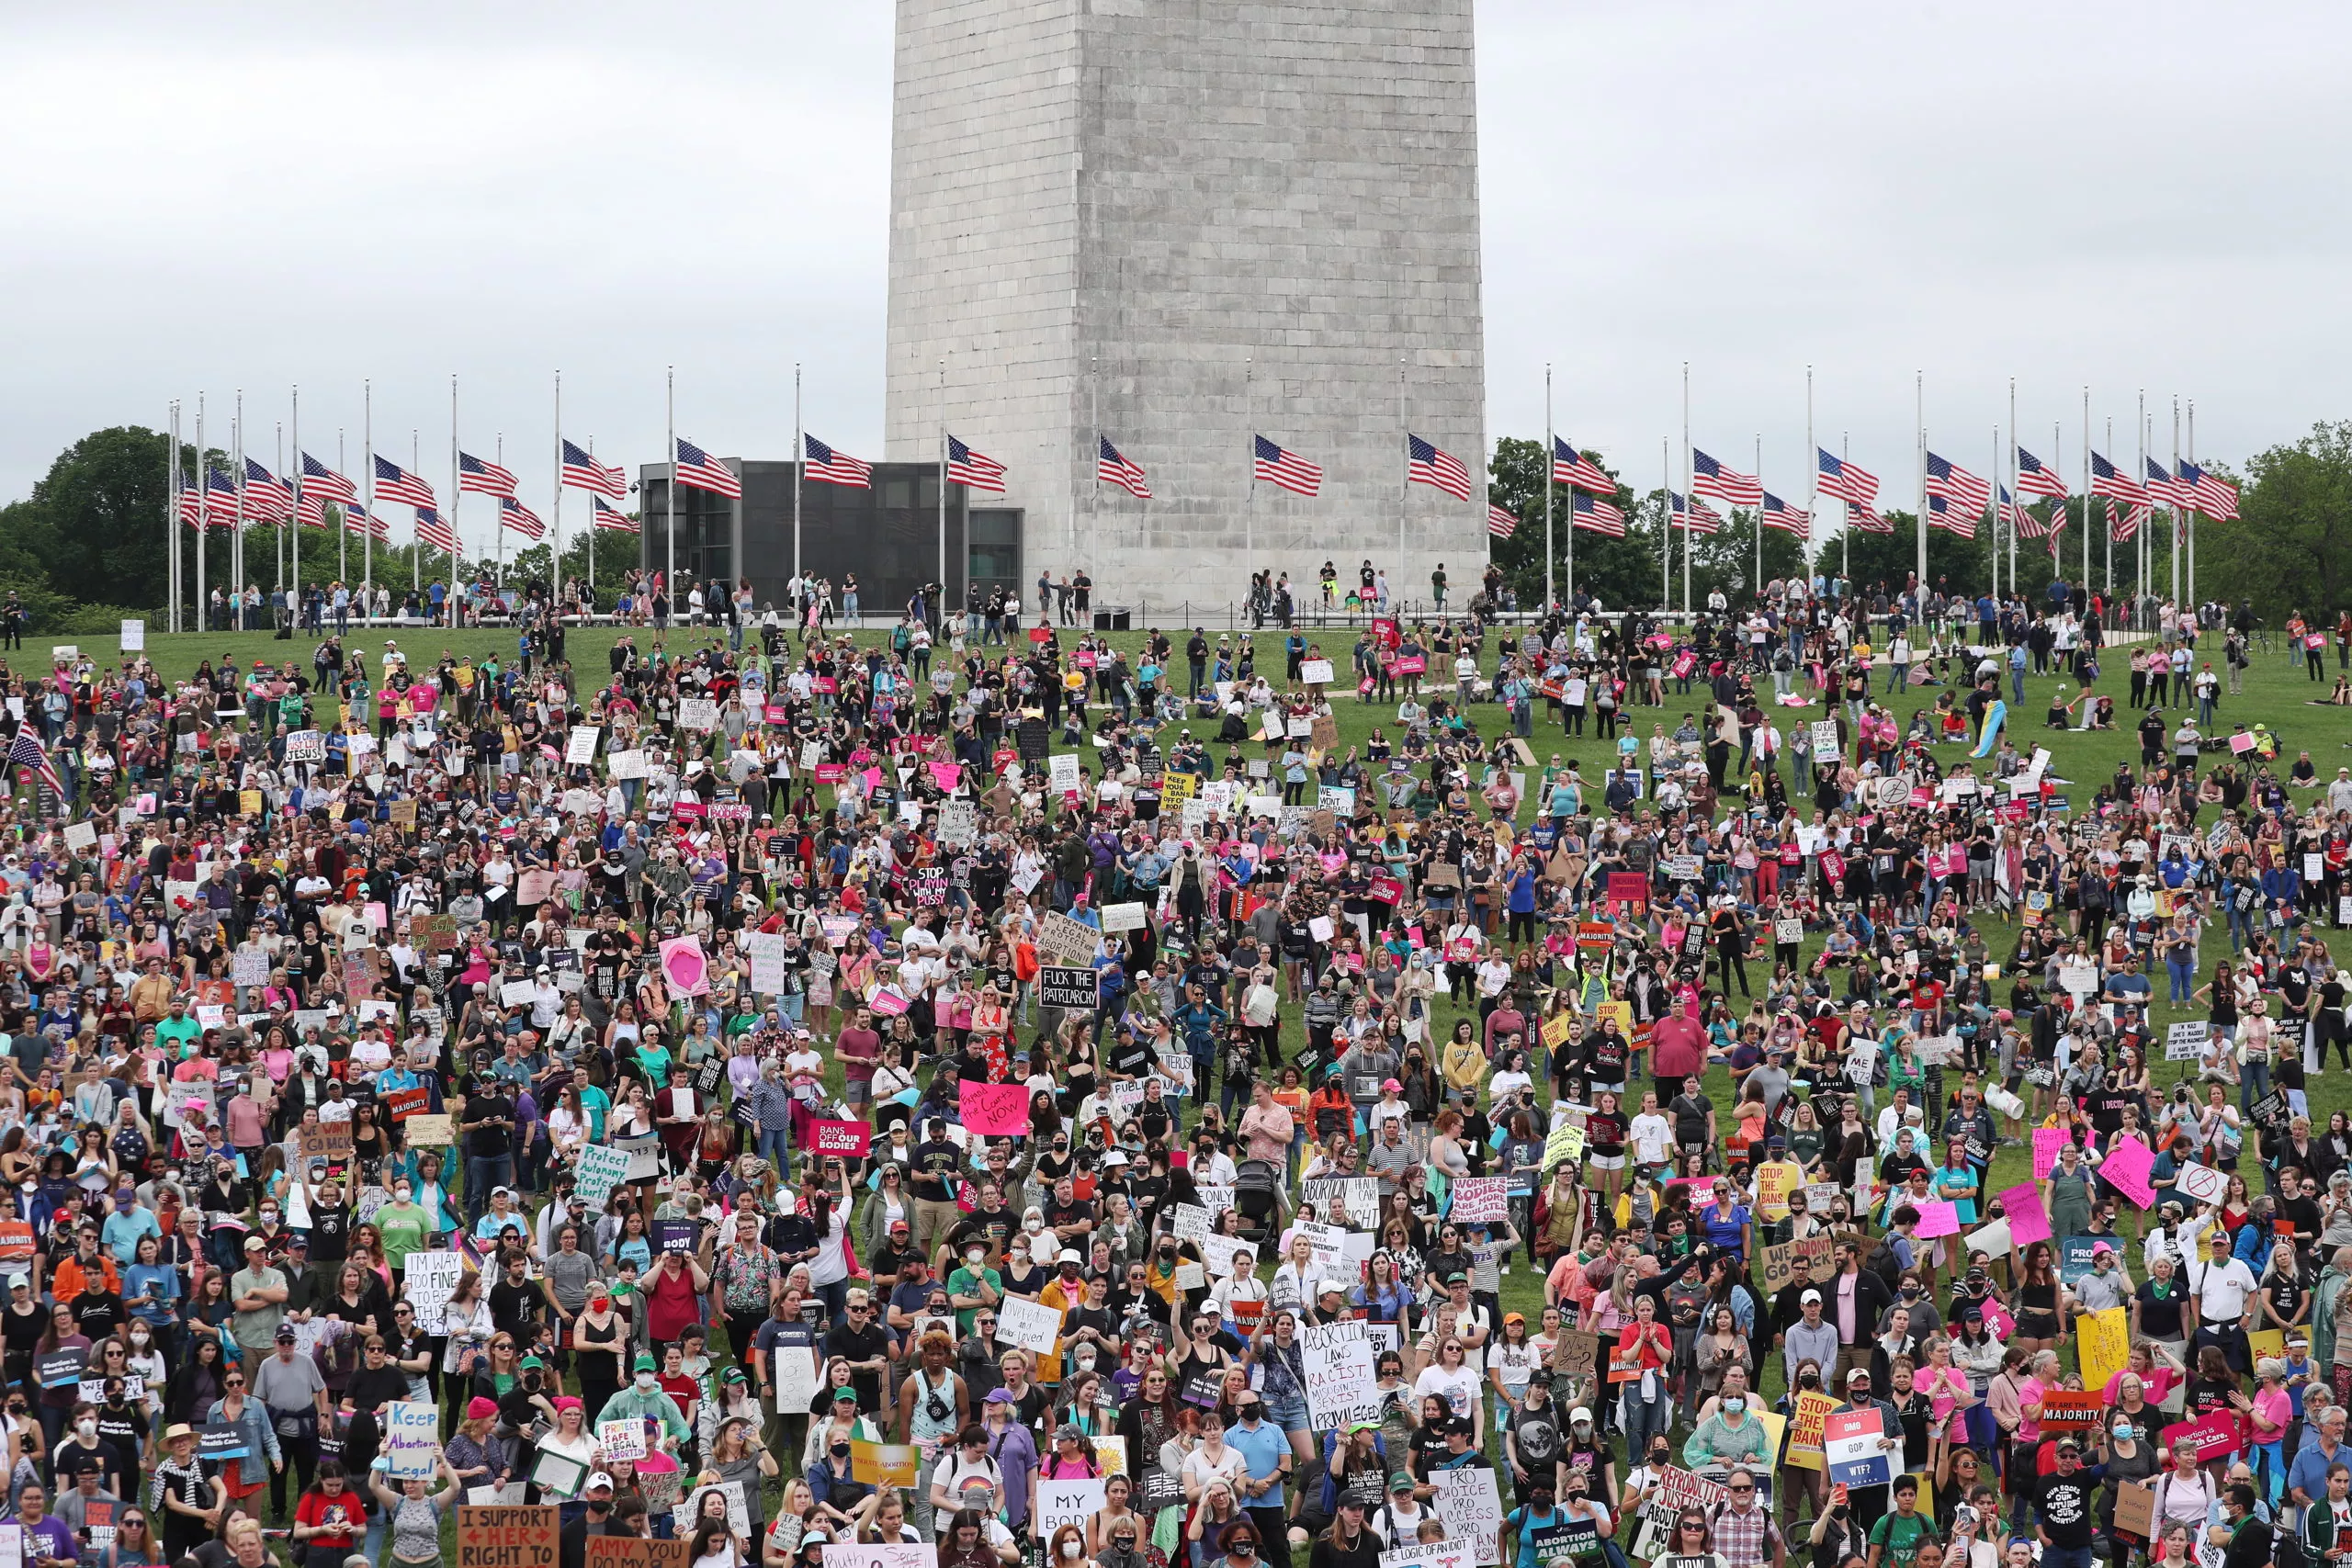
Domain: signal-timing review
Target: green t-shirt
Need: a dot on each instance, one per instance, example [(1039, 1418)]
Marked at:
[(401, 1228), (171, 1032), (964, 1282), (1899, 1537)]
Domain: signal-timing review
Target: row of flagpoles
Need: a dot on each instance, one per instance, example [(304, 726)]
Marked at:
[(1949, 497)]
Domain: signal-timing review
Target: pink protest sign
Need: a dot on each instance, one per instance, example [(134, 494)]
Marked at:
[(946, 775), (1997, 1321), (842, 1137), (2126, 1168), (1937, 1217), (2028, 1222), (2047, 1142), (2214, 1436), (995, 1109), (685, 967)]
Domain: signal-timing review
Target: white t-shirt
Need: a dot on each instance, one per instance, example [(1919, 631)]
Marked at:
[(1198, 1468), (1459, 1386), (2222, 1289)]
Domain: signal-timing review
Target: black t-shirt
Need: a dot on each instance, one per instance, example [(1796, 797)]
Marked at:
[(2160, 1319), (1689, 1112), (867, 1344), (935, 1165), (98, 1313), (2064, 1505), (330, 1233)]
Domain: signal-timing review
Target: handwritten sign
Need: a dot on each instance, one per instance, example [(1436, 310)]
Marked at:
[(1341, 1389), (412, 1437), (507, 1536), (995, 1109)]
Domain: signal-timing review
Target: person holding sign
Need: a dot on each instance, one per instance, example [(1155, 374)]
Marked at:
[(414, 1517)]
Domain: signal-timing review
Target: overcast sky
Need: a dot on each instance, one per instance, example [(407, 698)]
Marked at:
[(2127, 197)]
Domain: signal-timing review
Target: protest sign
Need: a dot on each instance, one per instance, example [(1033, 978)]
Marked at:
[(1341, 1389), (1805, 1432), (580, 747), (994, 1110), (1850, 1443), (1060, 1503), (502, 1537), (1427, 1554), (849, 1138), (2126, 1166), (1077, 989), (2047, 1142), (2021, 1206), (1033, 1325), (329, 1141), (2066, 1411), (2202, 1182), (2135, 1509), (429, 1279), (1479, 1200), (640, 1551), (601, 1168), (2185, 1042), (1779, 1261), (1471, 1507), (2104, 1345), (892, 1555), (2212, 1436), (765, 949), (221, 1441), (412, 1437)]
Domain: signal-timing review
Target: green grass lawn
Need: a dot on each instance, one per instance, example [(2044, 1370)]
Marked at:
[(2278, 695)]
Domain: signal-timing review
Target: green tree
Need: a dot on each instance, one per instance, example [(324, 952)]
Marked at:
[(1623, 573), (2291, 547)]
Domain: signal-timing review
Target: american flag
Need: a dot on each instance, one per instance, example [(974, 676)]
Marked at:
[(431, 530), (2057, 533), (1778, 513), (313, 508), (1502, 524), (829, 467), (2023, 523), (1287, 469), (483, 478), (25, 750), (2036, 478), (2216, 497), (2125, 525), (190, 506), (220, 498), (972, 471), (1956, 484), (1844, 477), (1951, 517), (2166, 490), (698, 470), (1591, 512), (1571, 467), (1727, 485), (2107, 480), (317, 476), (356, 516), (513, 514), (1696, 516), (1860, 517), (268, 499), (581, 470), (1110, 467), (1425, 465), (395, 483), (608, 516)]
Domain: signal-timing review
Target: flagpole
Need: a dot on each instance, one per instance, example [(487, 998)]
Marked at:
[(368, 457), (1093, 464), (455, 495), (1760, 519), (670, 529), (799, 452), (237, 540), (416, 545), (2015, 497), (343, 518), (1665, 528), (2193, 508), (941, 596), (1549, 600), (2142, 428), (1405, 479), (1845, 516), (1996, 541), (592, 539), (1919, 436), (294, 524), (203, 519), (556, 594), (498, 527), (2109, 532), (1689, 489), (172, 517), (279, 544), (1813, 485), (1249, 414)]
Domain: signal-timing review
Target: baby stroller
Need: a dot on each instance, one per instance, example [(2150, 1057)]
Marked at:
[(1257, 1197)]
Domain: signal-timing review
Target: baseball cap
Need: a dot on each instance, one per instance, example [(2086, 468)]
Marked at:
[(596, 1479), (1399, 1480)]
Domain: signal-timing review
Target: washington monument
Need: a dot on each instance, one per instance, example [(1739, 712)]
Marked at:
[(1174, 224)]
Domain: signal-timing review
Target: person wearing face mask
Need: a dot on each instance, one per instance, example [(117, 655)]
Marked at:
[(596, 1518), (1730, 1434), (2131, 1456), (644, 1398)]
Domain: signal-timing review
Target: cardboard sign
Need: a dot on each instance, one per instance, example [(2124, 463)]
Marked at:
[(329, 1141), (2135, 1509), (1776, 1262), (429, 1131), (1471, 1507), (507, 1536)]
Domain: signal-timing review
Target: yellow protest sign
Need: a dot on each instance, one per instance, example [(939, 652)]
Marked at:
[(1804, 1441), (249, 802), (1775, 1425), (1554, 1030), (2268, 1342), (1623, 1011), (882, 1464), (1175, 789), (2104, 1344), (1775, 1179)]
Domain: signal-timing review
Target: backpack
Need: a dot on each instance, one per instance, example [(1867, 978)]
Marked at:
[(1884, 1263)]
